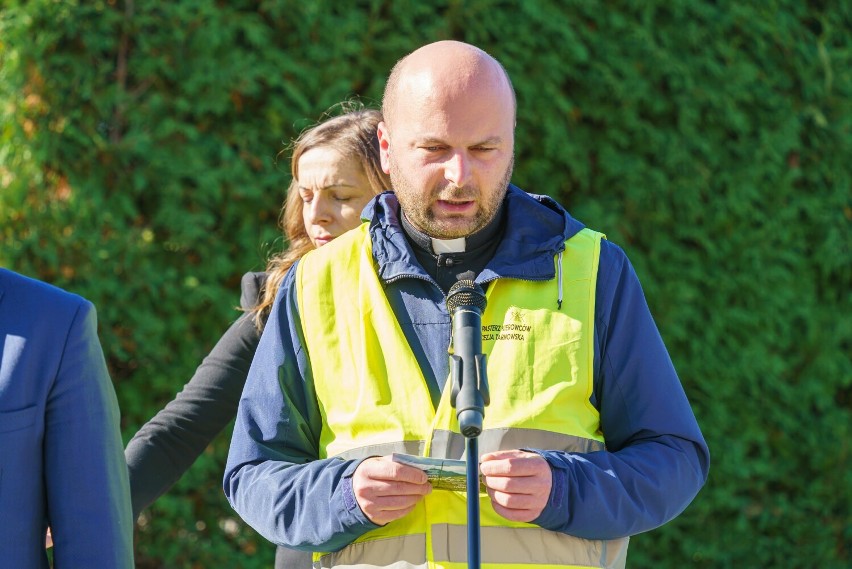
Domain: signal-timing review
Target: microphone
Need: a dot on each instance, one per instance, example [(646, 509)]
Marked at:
[(465, 303)]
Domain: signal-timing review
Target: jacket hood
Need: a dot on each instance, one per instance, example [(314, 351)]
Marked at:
[(535, 232)]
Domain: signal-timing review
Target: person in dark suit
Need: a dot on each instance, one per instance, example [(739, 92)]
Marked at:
[(61, 461)]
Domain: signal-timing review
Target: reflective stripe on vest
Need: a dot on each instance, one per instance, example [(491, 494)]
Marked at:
[(374, 399), (448, 444), (513, 546)]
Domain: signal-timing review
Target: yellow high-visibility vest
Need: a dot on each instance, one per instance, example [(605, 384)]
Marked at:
[(374, 401)]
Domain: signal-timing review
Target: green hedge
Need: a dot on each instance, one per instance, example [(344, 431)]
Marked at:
[(712, 140)]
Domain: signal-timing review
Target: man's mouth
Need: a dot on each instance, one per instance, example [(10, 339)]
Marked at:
[(455, 206)]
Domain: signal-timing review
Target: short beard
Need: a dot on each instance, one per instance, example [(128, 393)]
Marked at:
[(417, 210)]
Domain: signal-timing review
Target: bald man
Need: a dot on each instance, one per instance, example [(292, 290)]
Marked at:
[(589, 437)]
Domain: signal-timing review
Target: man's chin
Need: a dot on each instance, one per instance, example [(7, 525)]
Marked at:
[(453, 228)]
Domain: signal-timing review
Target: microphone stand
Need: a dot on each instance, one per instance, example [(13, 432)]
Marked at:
[(470, 396), (466, 302)]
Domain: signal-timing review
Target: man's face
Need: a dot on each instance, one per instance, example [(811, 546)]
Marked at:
[(450, 159)]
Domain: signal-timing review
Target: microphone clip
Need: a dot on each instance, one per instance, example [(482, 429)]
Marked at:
[(457, 372)]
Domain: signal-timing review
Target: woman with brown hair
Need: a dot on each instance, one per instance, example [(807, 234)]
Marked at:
[(336, 170)]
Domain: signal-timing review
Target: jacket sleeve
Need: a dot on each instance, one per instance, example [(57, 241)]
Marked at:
[(171, 441), (656, 459), (88, 498), (273, 468)]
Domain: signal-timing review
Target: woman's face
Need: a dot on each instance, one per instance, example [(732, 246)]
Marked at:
[(334, 190)]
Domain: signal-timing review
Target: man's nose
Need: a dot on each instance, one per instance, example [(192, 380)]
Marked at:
[(457, 168)]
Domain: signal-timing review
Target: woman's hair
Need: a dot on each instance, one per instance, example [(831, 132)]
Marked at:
[(352, 134)]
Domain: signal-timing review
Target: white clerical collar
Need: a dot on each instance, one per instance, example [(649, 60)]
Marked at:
[(448, 245)]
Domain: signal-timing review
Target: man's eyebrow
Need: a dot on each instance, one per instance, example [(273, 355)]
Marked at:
[(433, 140), (428, 140), (494, 140)]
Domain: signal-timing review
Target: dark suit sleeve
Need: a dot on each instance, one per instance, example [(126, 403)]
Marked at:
[(88, 504), (167, 445)]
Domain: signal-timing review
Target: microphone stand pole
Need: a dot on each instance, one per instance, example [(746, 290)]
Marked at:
[(474, 544), (466, 302), (471, 401)]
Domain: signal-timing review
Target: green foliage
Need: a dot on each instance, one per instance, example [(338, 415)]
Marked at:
[(711, 140)]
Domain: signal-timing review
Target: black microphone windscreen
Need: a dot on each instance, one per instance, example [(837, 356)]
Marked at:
[(465, 292)]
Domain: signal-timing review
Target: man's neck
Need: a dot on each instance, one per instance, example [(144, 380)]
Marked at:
[(445, 259), (458, 245)]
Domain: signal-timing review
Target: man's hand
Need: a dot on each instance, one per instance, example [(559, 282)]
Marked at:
[(518, 483), (386, 490)]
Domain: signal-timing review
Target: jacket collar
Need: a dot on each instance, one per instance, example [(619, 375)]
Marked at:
[(536, 230)]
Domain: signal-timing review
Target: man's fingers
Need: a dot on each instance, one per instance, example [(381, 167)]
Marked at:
[(504, 454), (393, 488), (390, 503), (513, 463), (382, 468), (514, 501), (386, 490), (514, 514), (382, 517), (517, 485)]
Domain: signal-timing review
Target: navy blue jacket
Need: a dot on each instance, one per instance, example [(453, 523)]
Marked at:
[(61, 463), (656, 459)]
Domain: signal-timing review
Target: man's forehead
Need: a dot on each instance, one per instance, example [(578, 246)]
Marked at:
[(446, 83), (437, 116)]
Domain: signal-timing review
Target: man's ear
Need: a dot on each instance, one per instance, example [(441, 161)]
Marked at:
[(384, 146)]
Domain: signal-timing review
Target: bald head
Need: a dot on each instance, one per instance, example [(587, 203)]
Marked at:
[(448, 137), (442, 72)]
